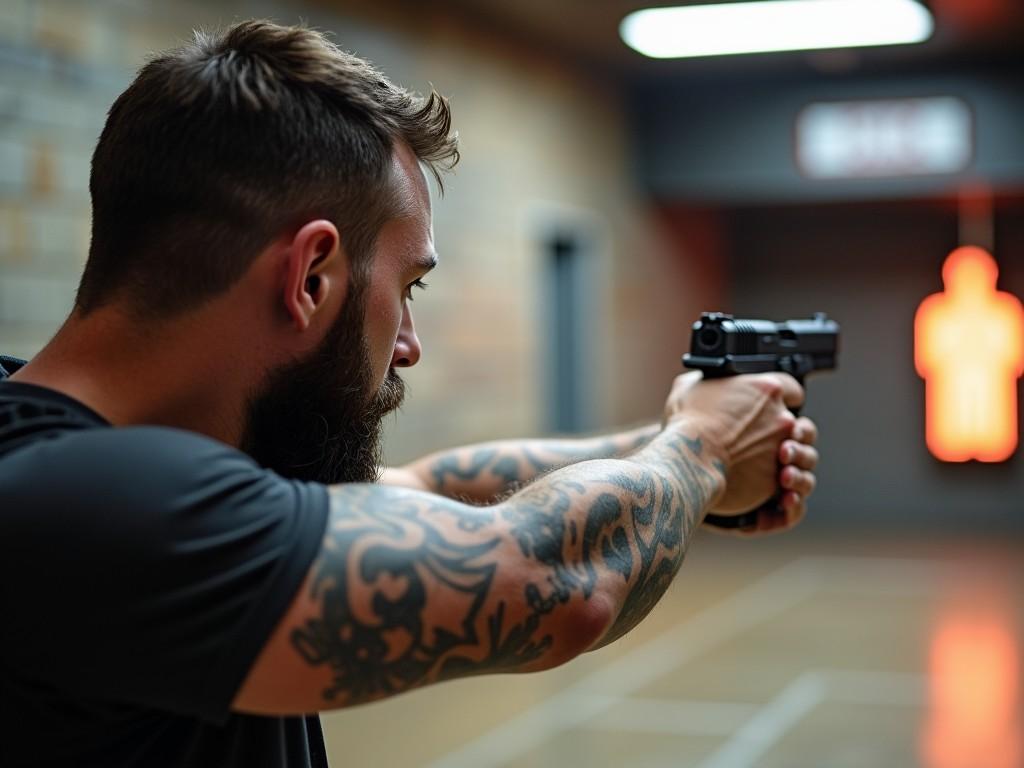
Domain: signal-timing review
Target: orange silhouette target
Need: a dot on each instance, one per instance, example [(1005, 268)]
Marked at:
[(969, 348)]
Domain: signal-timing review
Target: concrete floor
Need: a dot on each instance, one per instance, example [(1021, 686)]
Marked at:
[(787, 652)]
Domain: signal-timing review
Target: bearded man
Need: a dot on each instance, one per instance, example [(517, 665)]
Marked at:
[(199, 550)]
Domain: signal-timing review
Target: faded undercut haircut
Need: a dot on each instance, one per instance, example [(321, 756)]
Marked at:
[(220, 146)]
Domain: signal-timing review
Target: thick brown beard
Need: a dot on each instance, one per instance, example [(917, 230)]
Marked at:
[(317, 419)]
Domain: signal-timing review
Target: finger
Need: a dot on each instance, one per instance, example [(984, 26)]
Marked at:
[(805, 431), (790, 389), (686, 380), (778, 518), (795, 507), (791, 509), (793, 479), (797, 454)]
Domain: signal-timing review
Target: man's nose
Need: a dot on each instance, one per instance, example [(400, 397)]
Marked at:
[(407, 346)]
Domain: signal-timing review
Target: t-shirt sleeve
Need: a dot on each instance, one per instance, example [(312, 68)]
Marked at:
[(148, 566)]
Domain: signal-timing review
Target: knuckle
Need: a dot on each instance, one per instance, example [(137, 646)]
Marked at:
[(793, 504), (799, 456), (786, 421), (811, 457), (787, 449), (771, 386)]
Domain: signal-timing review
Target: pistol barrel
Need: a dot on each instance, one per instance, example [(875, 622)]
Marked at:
[(721, 345)]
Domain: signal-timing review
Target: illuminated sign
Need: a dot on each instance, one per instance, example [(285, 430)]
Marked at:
[(969, 348), (895, 137)]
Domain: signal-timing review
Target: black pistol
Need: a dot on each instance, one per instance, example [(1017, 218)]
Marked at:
[(721, 345)]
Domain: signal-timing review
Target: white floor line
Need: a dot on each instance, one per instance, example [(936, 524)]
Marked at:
[(672, 716), (763, 599), (598, 691), (811, 689), (769, 725)]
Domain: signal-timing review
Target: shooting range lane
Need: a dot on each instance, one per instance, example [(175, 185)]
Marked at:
[(801, 653), (870, 266)]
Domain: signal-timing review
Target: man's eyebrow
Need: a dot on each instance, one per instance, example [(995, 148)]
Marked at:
[(426, 262)]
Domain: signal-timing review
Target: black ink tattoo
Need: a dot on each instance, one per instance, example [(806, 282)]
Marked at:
[(488, 473), (406, 581), (374, 638), (449, 466), (694, 444)]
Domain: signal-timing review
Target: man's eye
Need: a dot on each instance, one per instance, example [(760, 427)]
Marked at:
[(414, 284)]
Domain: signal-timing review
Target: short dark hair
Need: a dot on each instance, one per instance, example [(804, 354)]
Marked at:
[(220, 146)]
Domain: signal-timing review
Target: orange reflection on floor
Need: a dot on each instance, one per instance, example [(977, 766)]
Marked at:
[(969, 348), (974, 676)]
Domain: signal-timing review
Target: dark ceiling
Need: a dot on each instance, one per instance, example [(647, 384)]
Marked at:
[(968, 32)]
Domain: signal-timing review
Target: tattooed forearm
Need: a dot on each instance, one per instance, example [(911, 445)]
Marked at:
[(413, 588), (484, 474), (668, 519)]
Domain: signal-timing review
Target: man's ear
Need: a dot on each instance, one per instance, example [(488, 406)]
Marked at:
[(315, 265)]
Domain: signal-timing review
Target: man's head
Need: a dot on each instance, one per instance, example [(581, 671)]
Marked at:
[(266, 153), (319, 417)]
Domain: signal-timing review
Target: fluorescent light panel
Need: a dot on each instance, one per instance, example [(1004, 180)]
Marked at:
[(774, 25)]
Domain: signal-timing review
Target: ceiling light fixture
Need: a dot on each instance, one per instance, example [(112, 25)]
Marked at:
[(774, 25)]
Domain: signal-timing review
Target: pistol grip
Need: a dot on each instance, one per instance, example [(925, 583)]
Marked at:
[(748, 520)]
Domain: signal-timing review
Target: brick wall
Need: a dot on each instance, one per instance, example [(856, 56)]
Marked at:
[(541, 141)]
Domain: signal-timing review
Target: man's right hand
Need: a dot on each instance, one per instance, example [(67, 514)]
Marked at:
[(743, 421)]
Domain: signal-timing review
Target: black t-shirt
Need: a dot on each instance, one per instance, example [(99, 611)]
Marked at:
[(141, 571)]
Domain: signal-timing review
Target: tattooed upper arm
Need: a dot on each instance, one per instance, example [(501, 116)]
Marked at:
[(409, 588)]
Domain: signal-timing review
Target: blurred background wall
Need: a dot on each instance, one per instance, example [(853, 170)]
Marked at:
[(628, 192), (546, 167)]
